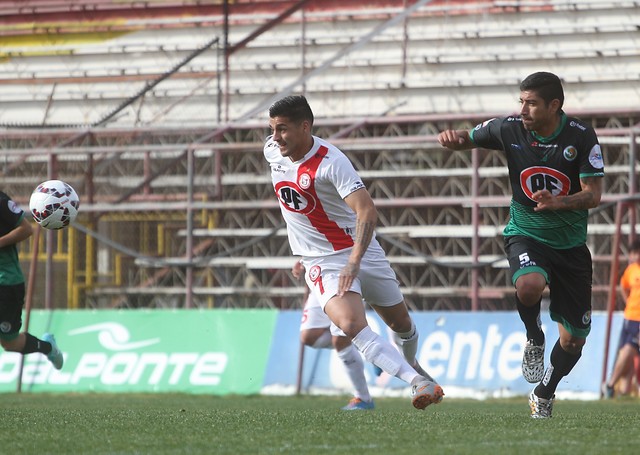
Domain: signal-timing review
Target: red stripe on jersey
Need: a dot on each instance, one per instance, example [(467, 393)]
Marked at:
[(318, 217)]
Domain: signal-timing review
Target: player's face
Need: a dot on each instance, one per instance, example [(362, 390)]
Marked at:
[(537, 115), (293, 138)]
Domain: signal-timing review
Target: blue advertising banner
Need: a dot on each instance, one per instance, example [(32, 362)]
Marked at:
[(469, 353)]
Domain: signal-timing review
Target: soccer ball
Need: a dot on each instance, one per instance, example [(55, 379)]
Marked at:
[(54, 204)]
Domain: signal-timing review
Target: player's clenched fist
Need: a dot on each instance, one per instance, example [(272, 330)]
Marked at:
[(456, 140)]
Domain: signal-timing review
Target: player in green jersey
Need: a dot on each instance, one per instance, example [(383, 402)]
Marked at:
[(556, 171), (14, 228)]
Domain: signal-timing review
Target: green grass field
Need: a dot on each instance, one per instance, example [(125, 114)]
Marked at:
[(197, 424)]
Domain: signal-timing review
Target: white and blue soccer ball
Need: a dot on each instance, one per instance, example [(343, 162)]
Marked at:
[(54, 204)]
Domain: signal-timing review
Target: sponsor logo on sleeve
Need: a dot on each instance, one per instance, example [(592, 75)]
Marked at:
[(483, 124), (15, 208), (595, 157)]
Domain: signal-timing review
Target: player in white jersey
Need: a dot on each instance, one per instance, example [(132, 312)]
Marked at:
[(317, 331), (330, 219)]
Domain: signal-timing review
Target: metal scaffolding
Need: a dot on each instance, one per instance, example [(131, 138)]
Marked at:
[(170, 220)]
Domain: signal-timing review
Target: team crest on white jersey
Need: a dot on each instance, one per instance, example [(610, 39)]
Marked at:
[(538, 178), (294, 198), (304, 181)]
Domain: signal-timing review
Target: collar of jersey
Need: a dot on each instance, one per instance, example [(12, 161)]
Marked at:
[(563, 121), (314, 148)]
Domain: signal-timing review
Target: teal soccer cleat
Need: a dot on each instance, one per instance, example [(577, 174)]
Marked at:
[(356, 404), (55, 356)]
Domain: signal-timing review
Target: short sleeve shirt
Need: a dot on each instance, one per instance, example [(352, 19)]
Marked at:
[(631, 281), (556, 163), (10, 217), (311, 193)]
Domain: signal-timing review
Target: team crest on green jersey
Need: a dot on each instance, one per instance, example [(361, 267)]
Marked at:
[(570, 153)]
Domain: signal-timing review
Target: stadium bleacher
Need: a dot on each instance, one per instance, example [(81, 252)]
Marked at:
[(448, 64)]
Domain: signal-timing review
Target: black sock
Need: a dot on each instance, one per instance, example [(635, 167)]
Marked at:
[(561, 364), (530, 315), (33, 344)]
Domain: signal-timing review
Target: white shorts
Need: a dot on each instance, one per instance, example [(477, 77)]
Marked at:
[(314, 318), (376, 282)]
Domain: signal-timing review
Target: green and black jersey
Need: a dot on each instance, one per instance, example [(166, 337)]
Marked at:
[(556, 163), (10, 217)]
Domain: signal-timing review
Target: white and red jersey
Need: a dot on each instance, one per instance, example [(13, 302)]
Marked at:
[(311, 192)]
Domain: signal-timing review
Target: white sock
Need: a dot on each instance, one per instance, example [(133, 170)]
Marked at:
[(382, 354), (352, 361), (323, 341), (408, 343)]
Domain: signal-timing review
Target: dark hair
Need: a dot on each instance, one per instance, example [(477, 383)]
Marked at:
[(635, 245), (547, 85), (294, 107)]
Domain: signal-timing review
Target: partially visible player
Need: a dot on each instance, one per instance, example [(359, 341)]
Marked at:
[(556, 172), (629, 344), (14, 228), (317, 331), (330, 219)]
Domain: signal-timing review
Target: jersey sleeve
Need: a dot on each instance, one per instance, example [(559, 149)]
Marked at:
[(344, 176), (591, 162), (624, 279), (487, 134), (10, 215), (270, 148)]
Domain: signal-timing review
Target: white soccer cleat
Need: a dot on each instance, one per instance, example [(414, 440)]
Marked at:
[(533, 362), (540, 407), (608, 392), (425, 392)]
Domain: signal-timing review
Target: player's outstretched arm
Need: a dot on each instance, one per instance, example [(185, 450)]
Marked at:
[(21, 232)]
